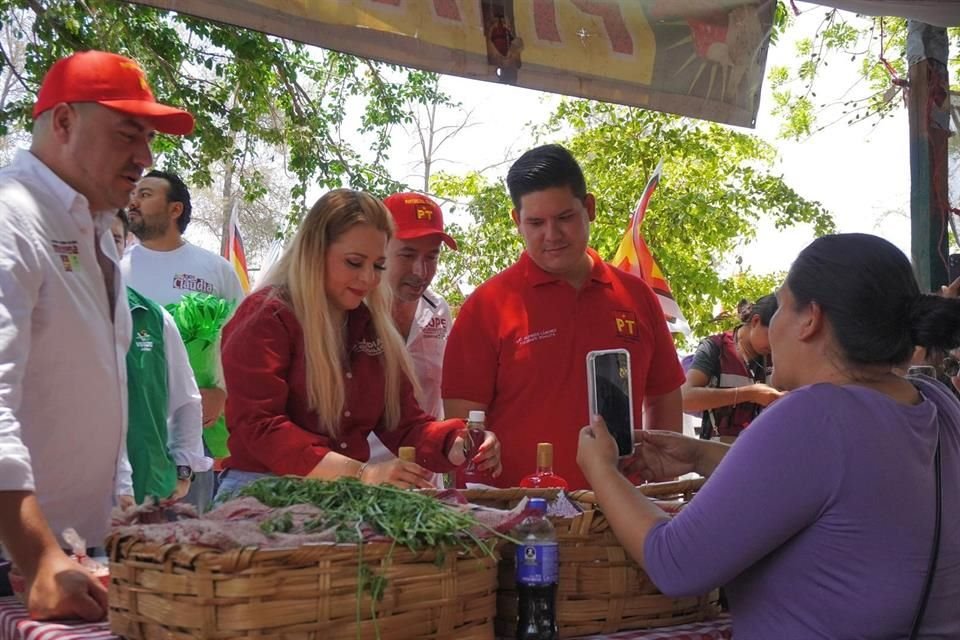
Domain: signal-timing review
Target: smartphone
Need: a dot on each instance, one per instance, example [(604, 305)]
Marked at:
[(610, 394)]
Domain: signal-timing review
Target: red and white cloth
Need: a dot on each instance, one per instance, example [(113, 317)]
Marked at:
[(16, 625)]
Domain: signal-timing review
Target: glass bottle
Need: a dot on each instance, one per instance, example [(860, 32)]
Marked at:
[(544, 477)]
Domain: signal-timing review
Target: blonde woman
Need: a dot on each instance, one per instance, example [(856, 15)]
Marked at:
[(313, 363)]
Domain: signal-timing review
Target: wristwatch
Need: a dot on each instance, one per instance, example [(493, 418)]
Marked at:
[(184, 472)]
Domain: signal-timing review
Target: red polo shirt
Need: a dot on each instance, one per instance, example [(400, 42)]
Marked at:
[(273, 429), (519, 346)]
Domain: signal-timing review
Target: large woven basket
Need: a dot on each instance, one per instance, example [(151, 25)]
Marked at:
[(601, 589), (179, 592)]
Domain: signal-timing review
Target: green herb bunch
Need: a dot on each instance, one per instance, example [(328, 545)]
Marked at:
[(408, 518)]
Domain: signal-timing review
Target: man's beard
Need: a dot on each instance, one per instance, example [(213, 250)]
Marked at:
[(145, 231)]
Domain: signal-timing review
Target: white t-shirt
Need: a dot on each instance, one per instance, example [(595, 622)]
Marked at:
[(167, 276)]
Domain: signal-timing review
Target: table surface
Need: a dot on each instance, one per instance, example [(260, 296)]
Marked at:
[(15, 625)]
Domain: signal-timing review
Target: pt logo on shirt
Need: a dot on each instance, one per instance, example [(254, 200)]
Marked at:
[(69, 253), (626, 322), (143, 340)]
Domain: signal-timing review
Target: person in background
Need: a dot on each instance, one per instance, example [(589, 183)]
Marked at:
[(64, 322), (727, 379), (938, 363), (164, 267), (420, 315), (519, 345), (164, 436), (314, 363), (837, 513)]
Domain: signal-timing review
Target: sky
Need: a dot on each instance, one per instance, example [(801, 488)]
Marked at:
[(860, 173)]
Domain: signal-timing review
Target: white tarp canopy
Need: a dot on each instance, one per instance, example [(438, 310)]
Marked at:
[(943, 13)]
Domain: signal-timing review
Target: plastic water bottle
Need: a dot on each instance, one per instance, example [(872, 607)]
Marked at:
[(538, 568)]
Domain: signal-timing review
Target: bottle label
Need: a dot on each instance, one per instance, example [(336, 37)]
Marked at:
[(538, 563)]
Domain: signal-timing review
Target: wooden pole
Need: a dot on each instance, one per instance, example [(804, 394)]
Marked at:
[(928, 105)]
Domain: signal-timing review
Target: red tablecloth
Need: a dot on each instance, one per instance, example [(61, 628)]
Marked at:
[(15, 625)]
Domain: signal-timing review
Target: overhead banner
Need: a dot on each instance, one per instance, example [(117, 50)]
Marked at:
[(699, 58)]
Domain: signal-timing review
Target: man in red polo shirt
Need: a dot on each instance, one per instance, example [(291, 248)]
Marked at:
[(519, 345)]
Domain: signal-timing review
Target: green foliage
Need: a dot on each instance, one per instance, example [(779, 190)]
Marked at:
[(488, 246), (716, 189), (868, 42), (781, 20), (254, 96)]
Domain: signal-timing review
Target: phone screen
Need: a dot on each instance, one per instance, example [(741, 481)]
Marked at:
[(611, 396)]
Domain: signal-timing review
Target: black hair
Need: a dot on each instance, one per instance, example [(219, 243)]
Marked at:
[(176, 192), (764, 307), (544, 167), (125, 220), (866, 288)]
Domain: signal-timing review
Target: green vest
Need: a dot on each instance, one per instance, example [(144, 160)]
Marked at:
[(154, 471)]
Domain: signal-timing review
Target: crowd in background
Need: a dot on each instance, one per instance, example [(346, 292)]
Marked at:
[(833, 514)]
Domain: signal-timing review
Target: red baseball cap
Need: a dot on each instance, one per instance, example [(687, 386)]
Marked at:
[(110, 80), (416, 216)]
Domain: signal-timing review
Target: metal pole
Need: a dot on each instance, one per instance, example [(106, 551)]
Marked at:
[(927, 54)]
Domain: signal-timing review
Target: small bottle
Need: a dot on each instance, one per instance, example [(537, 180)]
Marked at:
[(474, 433), (407, 454), (538, 568), (544, 477)]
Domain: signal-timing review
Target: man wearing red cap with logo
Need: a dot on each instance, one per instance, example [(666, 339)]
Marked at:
[(422, 317), (64, 322)]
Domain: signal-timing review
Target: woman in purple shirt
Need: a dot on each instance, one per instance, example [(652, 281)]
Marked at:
[(821, 519)]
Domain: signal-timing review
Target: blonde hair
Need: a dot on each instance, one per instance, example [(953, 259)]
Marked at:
[(299, 277)]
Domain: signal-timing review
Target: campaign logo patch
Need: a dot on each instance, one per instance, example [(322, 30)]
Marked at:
[(626, 324), (368, 347), (436, 328), (69, 253), (143, 340)]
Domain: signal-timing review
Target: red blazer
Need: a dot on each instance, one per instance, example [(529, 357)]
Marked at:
[(272, 428)]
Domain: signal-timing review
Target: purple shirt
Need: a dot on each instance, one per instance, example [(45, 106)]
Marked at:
[(820, 519)]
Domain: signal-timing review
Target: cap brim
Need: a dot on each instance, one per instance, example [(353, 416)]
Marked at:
[(166, 119), (413, 234)]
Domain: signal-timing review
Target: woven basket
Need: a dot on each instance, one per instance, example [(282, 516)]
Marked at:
[(601, 589), (179, 592)]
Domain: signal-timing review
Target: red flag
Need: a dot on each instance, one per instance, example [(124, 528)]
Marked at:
[(633, 256), (233, 250)]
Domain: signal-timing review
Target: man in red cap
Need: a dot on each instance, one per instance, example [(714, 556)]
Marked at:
[(422, 317), (64, 323)]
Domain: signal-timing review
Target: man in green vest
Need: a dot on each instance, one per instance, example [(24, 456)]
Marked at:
[(164, 438)]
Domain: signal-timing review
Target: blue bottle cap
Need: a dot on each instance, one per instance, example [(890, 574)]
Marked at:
[(538, 504)]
